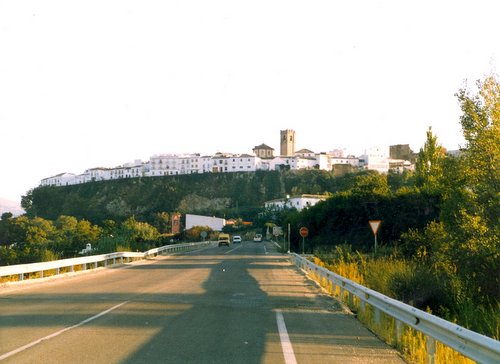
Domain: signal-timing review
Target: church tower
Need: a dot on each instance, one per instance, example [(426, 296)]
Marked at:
[(287, 142)]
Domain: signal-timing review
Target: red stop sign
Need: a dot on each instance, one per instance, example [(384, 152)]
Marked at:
[(304, 232)]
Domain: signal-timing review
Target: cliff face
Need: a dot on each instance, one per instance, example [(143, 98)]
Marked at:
[(142, 197), (194, 203)]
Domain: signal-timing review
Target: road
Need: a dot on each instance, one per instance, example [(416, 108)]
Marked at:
[(240, 304)]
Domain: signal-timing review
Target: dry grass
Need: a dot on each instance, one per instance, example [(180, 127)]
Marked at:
[(412, 344)]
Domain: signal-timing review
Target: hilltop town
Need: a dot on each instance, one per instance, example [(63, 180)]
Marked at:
[(398, 158)]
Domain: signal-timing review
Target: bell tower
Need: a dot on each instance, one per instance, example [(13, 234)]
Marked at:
[(287, 142)]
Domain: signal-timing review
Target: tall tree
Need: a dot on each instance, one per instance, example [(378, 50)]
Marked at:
[(481, 159), (429, 165), (471, 208)]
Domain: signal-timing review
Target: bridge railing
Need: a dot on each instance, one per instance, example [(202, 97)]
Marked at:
[(21, 272), (475, 346)]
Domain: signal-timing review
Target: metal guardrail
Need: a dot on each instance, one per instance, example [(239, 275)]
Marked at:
[(475, 346), (21, 270)]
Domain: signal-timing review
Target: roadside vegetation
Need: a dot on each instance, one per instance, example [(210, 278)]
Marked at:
[(440, 233)]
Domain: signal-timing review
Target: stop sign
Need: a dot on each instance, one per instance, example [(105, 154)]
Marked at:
[(304, 232)]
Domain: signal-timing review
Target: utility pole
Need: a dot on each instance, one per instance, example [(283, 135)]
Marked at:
[(288, 238)]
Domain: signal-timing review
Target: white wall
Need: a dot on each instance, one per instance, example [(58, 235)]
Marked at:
[(376, 159), (215, 223)]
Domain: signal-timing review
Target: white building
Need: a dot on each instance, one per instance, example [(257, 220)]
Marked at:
[(225, 163), (376, 159), (298, 202), (162, 165), (61, 179), (174, 164), (351, 160), (181, 164), (98, 174), (400, 165), (129, 170), (278, 163)]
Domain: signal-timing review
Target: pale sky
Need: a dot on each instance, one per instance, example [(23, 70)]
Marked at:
[(103, 82)]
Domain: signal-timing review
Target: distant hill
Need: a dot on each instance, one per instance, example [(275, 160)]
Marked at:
[(221, 194), (10, 206)]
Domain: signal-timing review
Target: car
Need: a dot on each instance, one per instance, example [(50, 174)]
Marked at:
[(223, 239), (236, 239), (257, 238)]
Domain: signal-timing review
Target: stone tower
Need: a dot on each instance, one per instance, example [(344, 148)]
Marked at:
[(287, 142)]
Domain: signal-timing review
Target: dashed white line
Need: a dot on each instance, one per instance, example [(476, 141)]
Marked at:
[(48, 337), (229, 251), (286, 344)]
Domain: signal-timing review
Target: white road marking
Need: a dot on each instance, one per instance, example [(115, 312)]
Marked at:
[(48, 337), (286, 344), (229, 251)]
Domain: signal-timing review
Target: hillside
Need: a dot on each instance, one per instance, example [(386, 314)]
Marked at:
[(228, 194)]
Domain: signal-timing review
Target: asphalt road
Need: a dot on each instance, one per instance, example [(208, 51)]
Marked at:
[(240, 304)]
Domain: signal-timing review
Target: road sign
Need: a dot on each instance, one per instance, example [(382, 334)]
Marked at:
[(304, 232), (374, 224)]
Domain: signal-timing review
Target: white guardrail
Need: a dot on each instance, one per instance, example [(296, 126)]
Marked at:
[(475, 346), (21, 270)]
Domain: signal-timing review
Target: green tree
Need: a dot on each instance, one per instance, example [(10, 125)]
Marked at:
[(72, 235), (161, 221), (481, 159), (6, 228), (194, 234), (369, 183), (6, 216), (471, 209), (36, 230), (429, 165), (137, 231)]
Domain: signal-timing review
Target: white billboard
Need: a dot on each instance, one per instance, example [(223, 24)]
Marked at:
[(215, 223)]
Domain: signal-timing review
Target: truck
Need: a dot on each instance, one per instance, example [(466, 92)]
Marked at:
[(224, 239)]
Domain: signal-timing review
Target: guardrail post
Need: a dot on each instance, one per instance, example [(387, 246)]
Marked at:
[(376, 317), (72, 268), (21, 277), (350, 300), (95, 265), (41, 274), (398, 329), (58, 271), (430, 345)]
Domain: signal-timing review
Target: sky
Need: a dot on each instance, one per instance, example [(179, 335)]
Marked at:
[(99, 83)]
